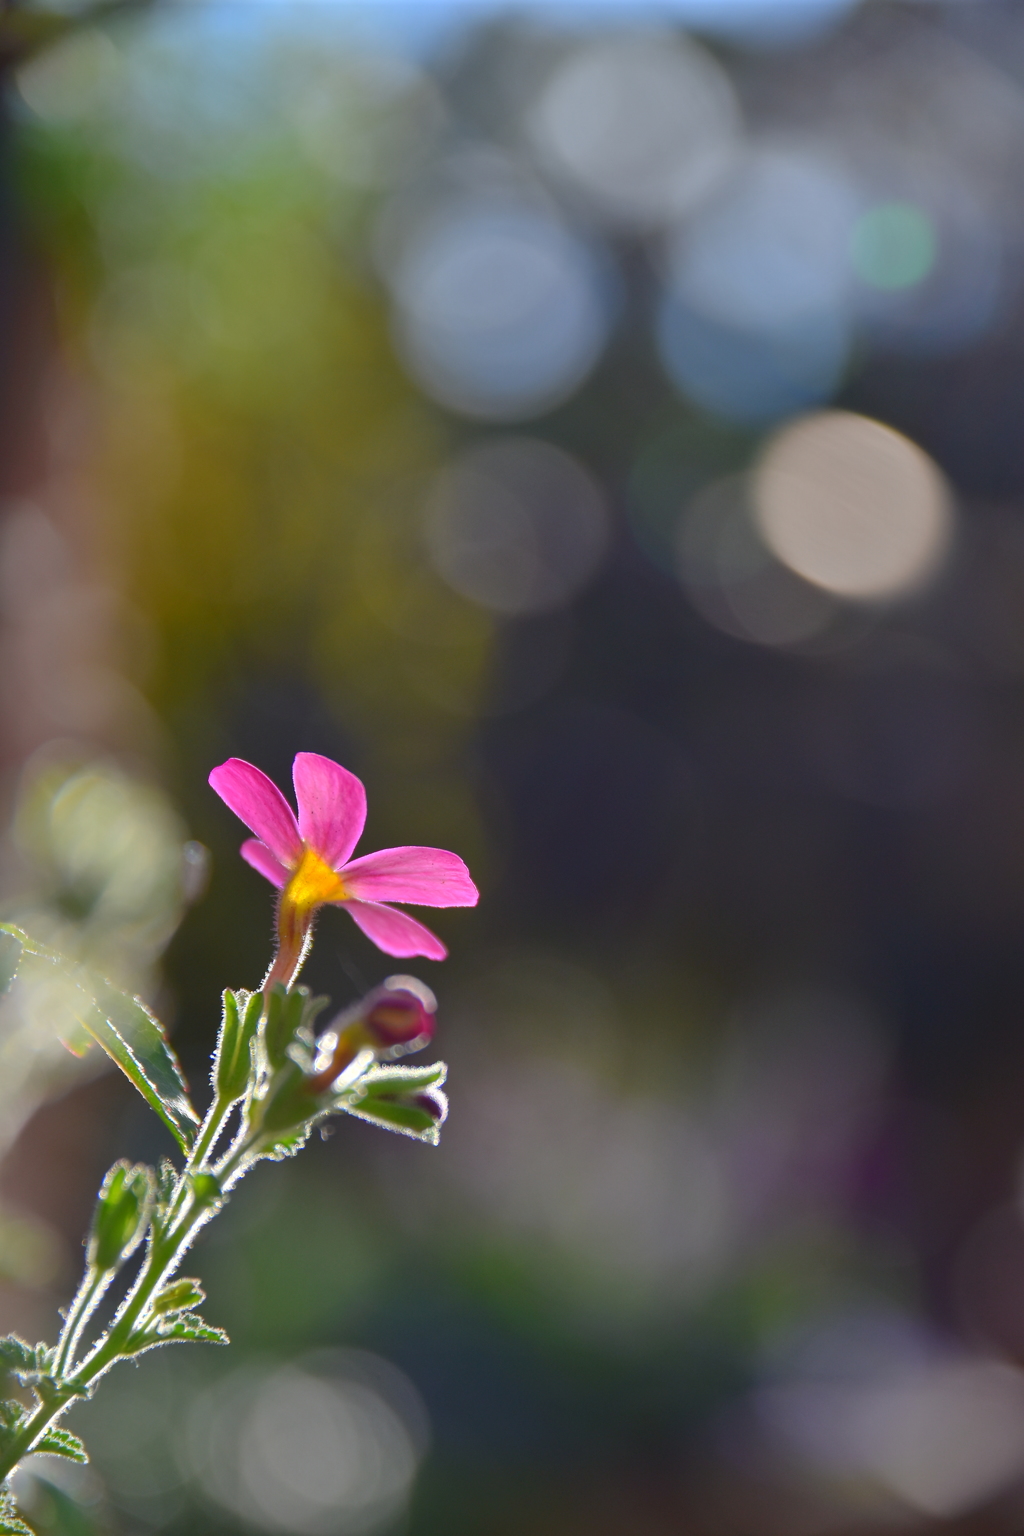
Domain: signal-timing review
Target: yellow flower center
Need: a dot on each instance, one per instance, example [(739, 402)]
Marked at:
[(313, 883)]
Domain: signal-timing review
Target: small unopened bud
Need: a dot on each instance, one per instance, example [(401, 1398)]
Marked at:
[(399, 1016), (232, 1063), (390, 1021), (122, 1213), (179, 1296)]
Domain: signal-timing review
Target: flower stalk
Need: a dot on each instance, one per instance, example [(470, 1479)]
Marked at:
[(269, 1063)]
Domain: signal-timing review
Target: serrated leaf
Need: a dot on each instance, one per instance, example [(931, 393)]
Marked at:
[(61, 1442), (16, 1354), (29, 1363), (184, 1328), (131, 1036), (190, 1328), (11, 951), (10, 1522), (11, 1525), (12, 1416)]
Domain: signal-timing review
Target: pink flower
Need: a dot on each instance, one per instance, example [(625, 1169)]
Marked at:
[(309, 860)]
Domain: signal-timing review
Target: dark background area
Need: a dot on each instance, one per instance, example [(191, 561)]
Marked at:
[(352, 401)]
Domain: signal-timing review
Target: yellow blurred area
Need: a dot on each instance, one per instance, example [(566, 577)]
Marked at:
[(598, 431), (277, 515)]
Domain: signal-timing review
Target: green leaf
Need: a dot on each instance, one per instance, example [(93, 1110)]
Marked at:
[(30, 1363), (61, 1442), (131, 1036), (16, 1354), (409, 1119), (11, 951), (135, 1039), (183, 1328), (10, 1523), (392, 1080), (190, 1328), (12, 1416), (404, 1099)]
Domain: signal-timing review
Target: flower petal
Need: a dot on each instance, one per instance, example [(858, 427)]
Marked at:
[(260, 857), (258, 802), (396, 933), (433, 877), (332, 806)]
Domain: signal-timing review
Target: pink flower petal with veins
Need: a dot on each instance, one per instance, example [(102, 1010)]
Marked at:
[(260, 857), (332, 806), (433, 877), (258, 802), (395, 932)]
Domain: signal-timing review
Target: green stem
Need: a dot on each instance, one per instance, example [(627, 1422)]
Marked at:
[(165, 1254), (166, 1250), (162, 1259), (31, 1431), (94, 1283), (209, 1133)]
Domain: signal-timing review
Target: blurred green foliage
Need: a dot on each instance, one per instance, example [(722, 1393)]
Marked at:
[(643, 1189)]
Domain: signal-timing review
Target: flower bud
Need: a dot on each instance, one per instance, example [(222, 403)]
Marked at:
[(232, 1064), (390, 1021), (179, 1296), (399, 1016), (122, 1214)]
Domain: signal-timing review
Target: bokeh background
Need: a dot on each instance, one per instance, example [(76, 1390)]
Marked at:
[(601, 429)]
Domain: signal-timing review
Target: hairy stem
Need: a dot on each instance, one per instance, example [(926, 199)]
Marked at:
[(167, 1248), (165, 1254), (90, 1291)]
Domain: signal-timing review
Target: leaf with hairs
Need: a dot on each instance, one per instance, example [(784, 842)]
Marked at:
[(190, 1328), (12, 1417), (135, 1039), (30, 1363), (16, 1354), (10, 1525), (131, 1036), (180, 1328), (61, 1442), (10, 1522)]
